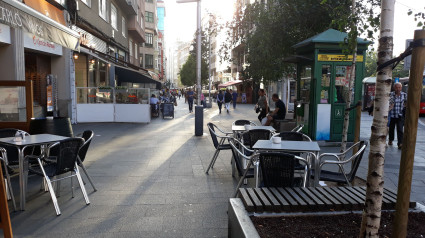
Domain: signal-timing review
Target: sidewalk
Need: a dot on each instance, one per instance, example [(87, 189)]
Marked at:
[(151, 181)]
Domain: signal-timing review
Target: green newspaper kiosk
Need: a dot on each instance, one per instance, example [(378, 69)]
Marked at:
[(323, 75)]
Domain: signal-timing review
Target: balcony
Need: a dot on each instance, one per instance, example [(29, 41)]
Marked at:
[(135, 30), (129, 7)]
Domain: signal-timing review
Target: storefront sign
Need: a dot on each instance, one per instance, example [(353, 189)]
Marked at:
[(4, 34), (18, 15), (323, 57), (36, 43)]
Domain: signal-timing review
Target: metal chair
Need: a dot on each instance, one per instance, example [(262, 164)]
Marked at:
[(239, 155), (6, 175), (339, 159), (87, 136), (278, 169), (243, 122), (256, 134), (298, 128), (64, 162), (219, 145)]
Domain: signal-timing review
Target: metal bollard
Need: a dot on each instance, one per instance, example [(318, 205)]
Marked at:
[(199, 120)]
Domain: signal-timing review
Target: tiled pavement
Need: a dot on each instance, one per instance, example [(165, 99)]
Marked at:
[(151, 181)]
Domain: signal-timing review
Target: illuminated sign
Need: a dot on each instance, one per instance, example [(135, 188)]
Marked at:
[(323, 57)]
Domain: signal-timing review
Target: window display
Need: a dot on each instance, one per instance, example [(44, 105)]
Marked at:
[(325, 83)]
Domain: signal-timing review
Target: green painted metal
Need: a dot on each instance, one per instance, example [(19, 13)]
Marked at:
[(328, 45)]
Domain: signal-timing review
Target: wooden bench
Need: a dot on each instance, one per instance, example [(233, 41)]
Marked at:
[(322, 199)]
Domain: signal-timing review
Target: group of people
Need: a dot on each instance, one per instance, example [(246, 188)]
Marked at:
[(263, 108), (226, 98)]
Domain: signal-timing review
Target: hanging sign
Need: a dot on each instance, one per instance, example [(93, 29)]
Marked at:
[(17, 15), (323, 57)]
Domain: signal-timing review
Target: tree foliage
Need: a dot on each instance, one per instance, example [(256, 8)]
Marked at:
[(268, 32), (188, 70)]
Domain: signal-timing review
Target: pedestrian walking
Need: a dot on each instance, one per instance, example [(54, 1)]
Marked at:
[(398, 102), (263, 107), (220, 100), (234, 98), (190, 95), (227, 100), (202, 99)]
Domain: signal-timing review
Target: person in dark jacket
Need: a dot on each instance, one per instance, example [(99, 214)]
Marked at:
[(227, 100), (220, 100)]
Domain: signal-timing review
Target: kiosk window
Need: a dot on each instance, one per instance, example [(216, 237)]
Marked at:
[(305, 83), (342, 82), (325, 83)]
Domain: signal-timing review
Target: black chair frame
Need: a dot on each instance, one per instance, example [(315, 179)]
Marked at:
[(218, 141)]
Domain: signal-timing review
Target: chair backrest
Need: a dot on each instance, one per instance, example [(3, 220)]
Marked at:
[(213, 134), (68, 152), (356, 161), (298, 128), (8, 132), (238, 154), (258, 134), (243, 122), (293, 136), (87, 136), (277, 169)]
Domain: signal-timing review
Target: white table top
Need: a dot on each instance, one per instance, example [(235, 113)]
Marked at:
[(32, 140), (242, 128), (300, 146)]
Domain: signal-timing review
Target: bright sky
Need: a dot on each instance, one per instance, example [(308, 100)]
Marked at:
[(180, 20)]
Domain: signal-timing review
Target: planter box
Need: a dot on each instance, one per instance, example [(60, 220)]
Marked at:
[(240, 225)]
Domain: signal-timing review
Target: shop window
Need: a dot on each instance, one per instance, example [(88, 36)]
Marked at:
[(325, 84), (149, 61), (342, 82), (305, 80), (12, 104), (114, 17), (149, 17)]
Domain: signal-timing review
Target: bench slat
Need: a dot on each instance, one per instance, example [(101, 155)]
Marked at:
[(337, 204), (266, 203), (285, 205), (249, 206), (305, 197), (359, 201), (274, 202), (302, 203), (353, 203), (328, 203), (257, 203), (293, 201), (319, 203), (344, 202)]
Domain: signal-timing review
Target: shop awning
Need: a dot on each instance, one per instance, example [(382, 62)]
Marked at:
[(230, 83), (18, 15), (127, 75)]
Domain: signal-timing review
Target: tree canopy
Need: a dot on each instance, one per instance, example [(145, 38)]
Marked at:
[(268, 32), (188, 70)]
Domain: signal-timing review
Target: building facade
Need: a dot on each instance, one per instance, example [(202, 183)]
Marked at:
[(36, 46)]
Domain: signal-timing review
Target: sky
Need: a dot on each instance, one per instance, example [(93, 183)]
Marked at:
[(180, 20)]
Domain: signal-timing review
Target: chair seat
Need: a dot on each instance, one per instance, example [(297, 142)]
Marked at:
[(224, 147), (326, 175), (50, 170)]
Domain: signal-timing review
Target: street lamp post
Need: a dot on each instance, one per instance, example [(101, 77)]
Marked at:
[(199, 111)]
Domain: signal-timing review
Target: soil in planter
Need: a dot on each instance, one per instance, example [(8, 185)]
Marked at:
[(346, 225)]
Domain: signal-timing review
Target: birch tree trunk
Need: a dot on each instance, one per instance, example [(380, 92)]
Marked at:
[(349, 93), (372, 211)]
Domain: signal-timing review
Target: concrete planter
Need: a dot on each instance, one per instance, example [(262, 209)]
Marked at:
[(240, 225)]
